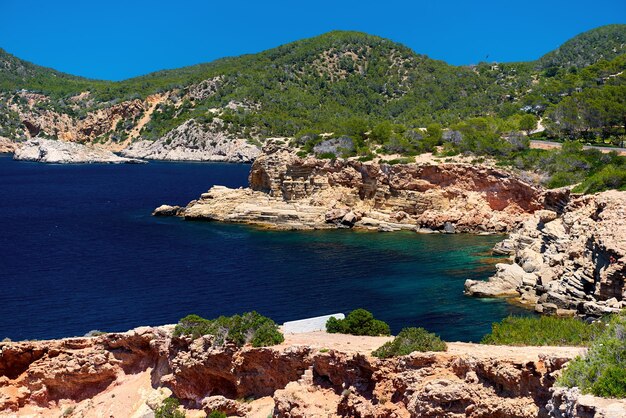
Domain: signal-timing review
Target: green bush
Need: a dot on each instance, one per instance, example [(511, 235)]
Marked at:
[(408, 341), (610, 177), (544, 330), (358, 322), (327, 156), (248, 328), (602, 371), (169, 409), (216, 414)]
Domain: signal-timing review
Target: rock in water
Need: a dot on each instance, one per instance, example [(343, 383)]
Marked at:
[(61, 152), (167, 210)]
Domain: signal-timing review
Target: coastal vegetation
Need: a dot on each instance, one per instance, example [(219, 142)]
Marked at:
[(377, 96), (409, 340), (351, 83), (542, 330), (358, 322), (248, 328), (602, 370), (169, 408)]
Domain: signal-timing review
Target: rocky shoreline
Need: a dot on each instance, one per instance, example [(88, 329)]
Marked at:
[(569, 251), (289, 192), (568, 263), (129, 374), (62, 152)]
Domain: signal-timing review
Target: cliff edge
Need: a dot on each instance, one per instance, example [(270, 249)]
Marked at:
[(289, 192), (568, 263), (314, 374)]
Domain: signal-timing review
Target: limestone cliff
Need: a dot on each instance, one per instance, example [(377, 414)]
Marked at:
[(120, 126), (568, 263), (192, 142), (128, 374), (289, 192)]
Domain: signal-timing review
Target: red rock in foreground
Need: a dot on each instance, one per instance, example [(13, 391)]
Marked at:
[(316, 374)]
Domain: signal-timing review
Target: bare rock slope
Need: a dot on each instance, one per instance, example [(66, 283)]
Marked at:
[(192, 142), (129, 374)]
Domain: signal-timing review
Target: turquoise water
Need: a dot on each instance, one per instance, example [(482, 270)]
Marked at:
[(80, 251)]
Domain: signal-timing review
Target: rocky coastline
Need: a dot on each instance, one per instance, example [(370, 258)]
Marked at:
[(131, 373), (568, 251), (62, 152), (289, 192), (568, 263)]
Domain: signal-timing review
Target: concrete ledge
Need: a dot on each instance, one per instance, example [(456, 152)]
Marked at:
[(317, 323)]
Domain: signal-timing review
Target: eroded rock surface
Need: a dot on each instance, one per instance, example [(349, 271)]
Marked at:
[(61, 152), (136, 370), (289, 192), (193, 142), (570, 263)]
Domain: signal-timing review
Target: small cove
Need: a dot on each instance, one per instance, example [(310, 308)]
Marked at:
[(81, 252)]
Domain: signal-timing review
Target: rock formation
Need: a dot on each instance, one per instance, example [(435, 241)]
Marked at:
[(289, 192), (129, 374), (573, 262), (6, 145), (192, 142), (62, 152)]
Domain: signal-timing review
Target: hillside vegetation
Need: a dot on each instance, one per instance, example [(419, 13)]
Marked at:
[(379, 94)]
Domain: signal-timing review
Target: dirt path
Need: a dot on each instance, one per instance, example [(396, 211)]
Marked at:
[(552, 145), (365, 345)]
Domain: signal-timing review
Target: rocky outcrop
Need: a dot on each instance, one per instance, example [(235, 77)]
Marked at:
[(37, 118), (573, 262), (92, 376), (571, 403), (192, 141), (61, 152), (6, 145), (289, 192)]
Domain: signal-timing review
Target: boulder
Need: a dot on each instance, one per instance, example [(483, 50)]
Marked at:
[(167, 210)]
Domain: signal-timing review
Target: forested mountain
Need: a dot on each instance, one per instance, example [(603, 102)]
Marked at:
[(603, 43), (341, 82)]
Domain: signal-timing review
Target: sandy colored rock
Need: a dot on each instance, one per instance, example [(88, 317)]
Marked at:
[(289, 192), (573, 262), (6, 145)]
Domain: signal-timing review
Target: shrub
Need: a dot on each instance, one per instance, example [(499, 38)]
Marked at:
[(327, 156), (408, 341), (248, 328), (169, 409), (216, 414), (610, 177), (544, 330), (602, 371), (358, 322)]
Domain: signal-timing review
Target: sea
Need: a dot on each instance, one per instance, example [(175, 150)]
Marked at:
[(80, 251)]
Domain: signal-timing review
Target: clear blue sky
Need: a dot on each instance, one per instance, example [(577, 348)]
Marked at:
[(114, 39)]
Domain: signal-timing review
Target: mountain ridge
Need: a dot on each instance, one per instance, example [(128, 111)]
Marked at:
[(543, 61)]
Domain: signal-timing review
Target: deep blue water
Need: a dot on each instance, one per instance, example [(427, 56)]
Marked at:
[(79, 251)]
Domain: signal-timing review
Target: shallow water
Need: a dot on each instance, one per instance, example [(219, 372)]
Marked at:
[(80, 251)]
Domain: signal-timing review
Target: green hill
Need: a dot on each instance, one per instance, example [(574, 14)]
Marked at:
[(324, 82), (603, 43)]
